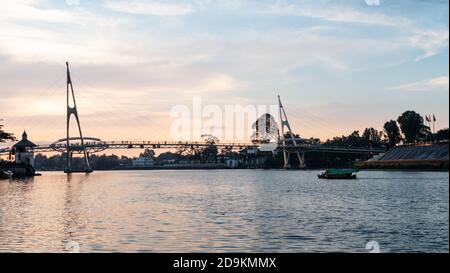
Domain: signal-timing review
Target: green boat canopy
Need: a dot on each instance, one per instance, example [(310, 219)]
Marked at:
[(341, 171)]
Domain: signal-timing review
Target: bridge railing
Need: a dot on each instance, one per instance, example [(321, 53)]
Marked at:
[(97, 146)]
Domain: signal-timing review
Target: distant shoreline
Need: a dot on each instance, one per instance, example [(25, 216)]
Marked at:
[(260, 169)]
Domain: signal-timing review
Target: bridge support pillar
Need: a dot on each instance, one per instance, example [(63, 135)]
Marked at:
[(301, 159), (300, 156)]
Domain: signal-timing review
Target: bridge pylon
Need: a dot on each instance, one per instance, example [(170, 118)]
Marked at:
[(284, 122), (72, 110)]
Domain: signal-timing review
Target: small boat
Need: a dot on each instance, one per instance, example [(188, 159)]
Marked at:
[(5, 174), (338, 174)]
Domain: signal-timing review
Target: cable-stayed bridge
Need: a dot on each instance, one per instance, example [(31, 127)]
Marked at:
[(287, 142)]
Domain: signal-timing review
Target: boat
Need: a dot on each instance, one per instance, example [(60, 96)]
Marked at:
[(339, 174), (5, 174), (12, 169)]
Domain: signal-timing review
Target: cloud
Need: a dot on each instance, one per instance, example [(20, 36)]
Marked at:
[(439, 83), (147, 67), (73, 2), (31, 32), (342, 14), (26, 11), (407, 31), (430, 41), (373, 2), (149, 7)]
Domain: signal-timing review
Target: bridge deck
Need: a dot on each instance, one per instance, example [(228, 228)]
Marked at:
[(97, 146)]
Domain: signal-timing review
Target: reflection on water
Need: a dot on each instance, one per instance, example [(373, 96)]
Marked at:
[(224, 211)]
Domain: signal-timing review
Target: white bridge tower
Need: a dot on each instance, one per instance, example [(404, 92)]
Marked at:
[(288, 140), (72, 110)]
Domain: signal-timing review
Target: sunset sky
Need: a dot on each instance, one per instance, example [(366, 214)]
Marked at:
[(338, 65)]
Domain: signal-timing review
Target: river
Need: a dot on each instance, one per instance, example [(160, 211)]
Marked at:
[(224, 211)]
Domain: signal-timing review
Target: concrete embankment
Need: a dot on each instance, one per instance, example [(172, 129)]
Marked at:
[(423, 156)]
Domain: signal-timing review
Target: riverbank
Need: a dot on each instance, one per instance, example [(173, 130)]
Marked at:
[(411, 157), (426, 165), (357, 166)]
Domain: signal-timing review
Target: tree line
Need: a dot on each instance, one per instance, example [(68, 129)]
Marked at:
[(409, 128)]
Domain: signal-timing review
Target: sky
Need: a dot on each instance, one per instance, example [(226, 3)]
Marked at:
[(338, 65)]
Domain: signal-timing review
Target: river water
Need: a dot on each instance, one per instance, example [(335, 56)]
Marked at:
[(224, 211)]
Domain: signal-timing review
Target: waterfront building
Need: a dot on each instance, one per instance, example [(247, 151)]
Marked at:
[(24, 151), (232, 163), (143, 162)]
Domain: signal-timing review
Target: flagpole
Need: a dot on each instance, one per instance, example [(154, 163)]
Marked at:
[(431, 128), (434, 128), (434, 122)]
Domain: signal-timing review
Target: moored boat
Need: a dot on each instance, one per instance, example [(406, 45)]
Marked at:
[(338, 174)]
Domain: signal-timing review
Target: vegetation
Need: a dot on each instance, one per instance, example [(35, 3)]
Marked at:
[(5, 136), (412, 126), (392, 133), (442, 135), (148, 153), (370, 138), (411, 130), (98, 162)]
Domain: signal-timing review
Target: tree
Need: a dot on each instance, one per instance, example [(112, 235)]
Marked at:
[(168, 157), (105, 162), (4, 136), (353, 140), (442, 134), (148, 153), (186, 152), (288, 135), (210, 152), (425, 134), (411, 125), (265, 129), (210, 139), (392, 133), (372, 138)]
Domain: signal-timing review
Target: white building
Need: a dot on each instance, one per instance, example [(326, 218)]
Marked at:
[(24, 151), (143, 162)]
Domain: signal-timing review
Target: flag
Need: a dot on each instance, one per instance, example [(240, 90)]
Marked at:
[(434, 118)]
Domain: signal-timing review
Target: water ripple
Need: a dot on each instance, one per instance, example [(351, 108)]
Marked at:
[(225, 211)]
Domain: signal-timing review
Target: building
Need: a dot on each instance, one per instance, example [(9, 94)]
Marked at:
[(24, 151), (143, 162), (232, 163)]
